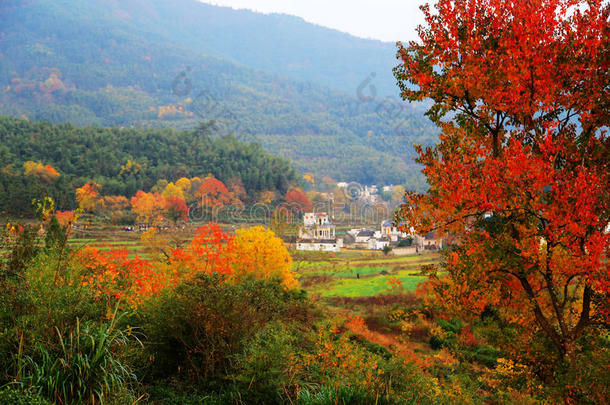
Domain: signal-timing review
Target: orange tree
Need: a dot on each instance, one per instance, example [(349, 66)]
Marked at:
[(148, 206), (521, 173), (213, 193), (88, 196)]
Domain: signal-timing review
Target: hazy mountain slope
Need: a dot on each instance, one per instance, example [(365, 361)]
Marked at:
[(126, 63), (279, 44)]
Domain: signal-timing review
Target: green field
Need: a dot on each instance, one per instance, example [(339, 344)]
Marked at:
[(359, 273)]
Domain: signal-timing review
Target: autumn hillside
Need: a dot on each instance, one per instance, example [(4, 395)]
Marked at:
[(123, 161)]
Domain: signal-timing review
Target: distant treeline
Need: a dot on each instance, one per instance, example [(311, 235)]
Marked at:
[(122, 161)]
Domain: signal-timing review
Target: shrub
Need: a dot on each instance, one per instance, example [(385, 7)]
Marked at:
[(486, 355), (454, 326), (270, 367), (437, 343), (14, 394), (43, 297), (405, 242), (193, 330), (20, 244)]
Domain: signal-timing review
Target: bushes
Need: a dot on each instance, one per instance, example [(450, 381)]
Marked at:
[(330, 395), (55, 338), (214, 338), (194, 329), (14, 394), (453, 326), (20, 244), (288, 363), (270, 367)]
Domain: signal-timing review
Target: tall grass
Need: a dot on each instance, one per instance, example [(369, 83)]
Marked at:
[(84, 367)]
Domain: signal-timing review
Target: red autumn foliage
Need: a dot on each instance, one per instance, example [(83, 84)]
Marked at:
[(176, 209), (213, 193), (210, 251), (521, 176), (298, 201), (466, 337), (113, 276)]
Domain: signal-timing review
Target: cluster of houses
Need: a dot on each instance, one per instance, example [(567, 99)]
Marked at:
[(319, 234)]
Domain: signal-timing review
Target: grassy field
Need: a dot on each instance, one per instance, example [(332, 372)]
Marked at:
[(359, 273)]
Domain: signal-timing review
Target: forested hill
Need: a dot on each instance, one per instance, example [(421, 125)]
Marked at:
[(82, 154), (161, 63)]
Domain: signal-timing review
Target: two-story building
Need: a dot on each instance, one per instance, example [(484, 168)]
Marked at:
[(317, 233)]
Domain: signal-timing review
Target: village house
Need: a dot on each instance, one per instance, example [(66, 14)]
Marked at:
[(393, 233), (364, 235), (318, 234), (378, 243)]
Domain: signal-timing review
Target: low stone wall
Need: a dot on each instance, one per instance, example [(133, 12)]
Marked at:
[(404, 251)]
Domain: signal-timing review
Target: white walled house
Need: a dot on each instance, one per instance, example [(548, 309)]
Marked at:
[(378, 244), (390, 231), (320, 245), (318, 234), (364, 236)]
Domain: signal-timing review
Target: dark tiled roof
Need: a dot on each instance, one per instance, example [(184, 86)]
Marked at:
[(366, 233)]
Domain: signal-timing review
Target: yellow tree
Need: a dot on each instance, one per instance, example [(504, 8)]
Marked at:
[(266, 197), (310, 178), (196, 182), (398, 195), (172, 190), (130, 168), (148, 206), (37, 169), (261, 255), (185, 185), (88, 196)]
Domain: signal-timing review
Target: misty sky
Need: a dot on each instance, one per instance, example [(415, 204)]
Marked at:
[(387, 20)]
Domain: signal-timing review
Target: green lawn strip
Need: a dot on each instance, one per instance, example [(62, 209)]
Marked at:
[(363, 271), (366, 287)]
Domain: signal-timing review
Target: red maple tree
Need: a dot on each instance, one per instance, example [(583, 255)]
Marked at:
[(213, 193), (176, 209), (521, 173), (298, 201)]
